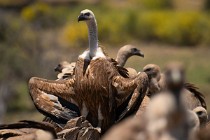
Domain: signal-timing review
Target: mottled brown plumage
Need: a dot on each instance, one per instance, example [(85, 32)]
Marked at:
[(54, 98), (164, 118), (29, 130), (101, 93), (65, 69), (78, 129)]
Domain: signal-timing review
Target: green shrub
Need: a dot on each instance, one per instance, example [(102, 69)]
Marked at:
[(21, 100), (111, 29), (156, 4), (181, 28), (74, 34), (44, 15)]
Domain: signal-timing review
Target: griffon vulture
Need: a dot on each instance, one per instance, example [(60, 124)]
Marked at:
[(190, 95), (165, 118), (166, 115), (98, 88)]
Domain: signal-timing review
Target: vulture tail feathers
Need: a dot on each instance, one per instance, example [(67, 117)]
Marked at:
[(192, 88)]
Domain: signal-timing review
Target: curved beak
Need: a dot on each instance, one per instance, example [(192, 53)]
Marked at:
[(58, 68), (81, 17), (139, 53)]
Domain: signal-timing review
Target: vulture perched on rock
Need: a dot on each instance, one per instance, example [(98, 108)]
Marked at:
[(98, 88), (193, 99), (66, 69)]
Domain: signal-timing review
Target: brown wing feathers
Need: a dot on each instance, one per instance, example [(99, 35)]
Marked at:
[(50, 98), (193, 89), (133, 103), (122, 71)]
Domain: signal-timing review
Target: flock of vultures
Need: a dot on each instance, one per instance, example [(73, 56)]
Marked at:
[(97, 98)]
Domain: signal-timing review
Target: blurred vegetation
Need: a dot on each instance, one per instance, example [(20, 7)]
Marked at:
[(156, 4), (36, 35)]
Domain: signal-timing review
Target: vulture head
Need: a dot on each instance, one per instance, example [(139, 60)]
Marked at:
[(175, 75), (153, 71), (125, 52), (202, 115), (154, 74), (86, 15), (130, 50)]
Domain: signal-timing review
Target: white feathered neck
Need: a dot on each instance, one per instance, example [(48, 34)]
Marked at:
[(94, 50)]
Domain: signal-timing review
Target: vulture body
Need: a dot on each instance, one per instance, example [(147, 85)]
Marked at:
[(29, 130), (99, 81), (191, 96), (98, 88), (165, 117)]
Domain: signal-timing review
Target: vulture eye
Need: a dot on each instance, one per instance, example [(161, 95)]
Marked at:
[(134, 49), (149, 69), (87, 14)]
